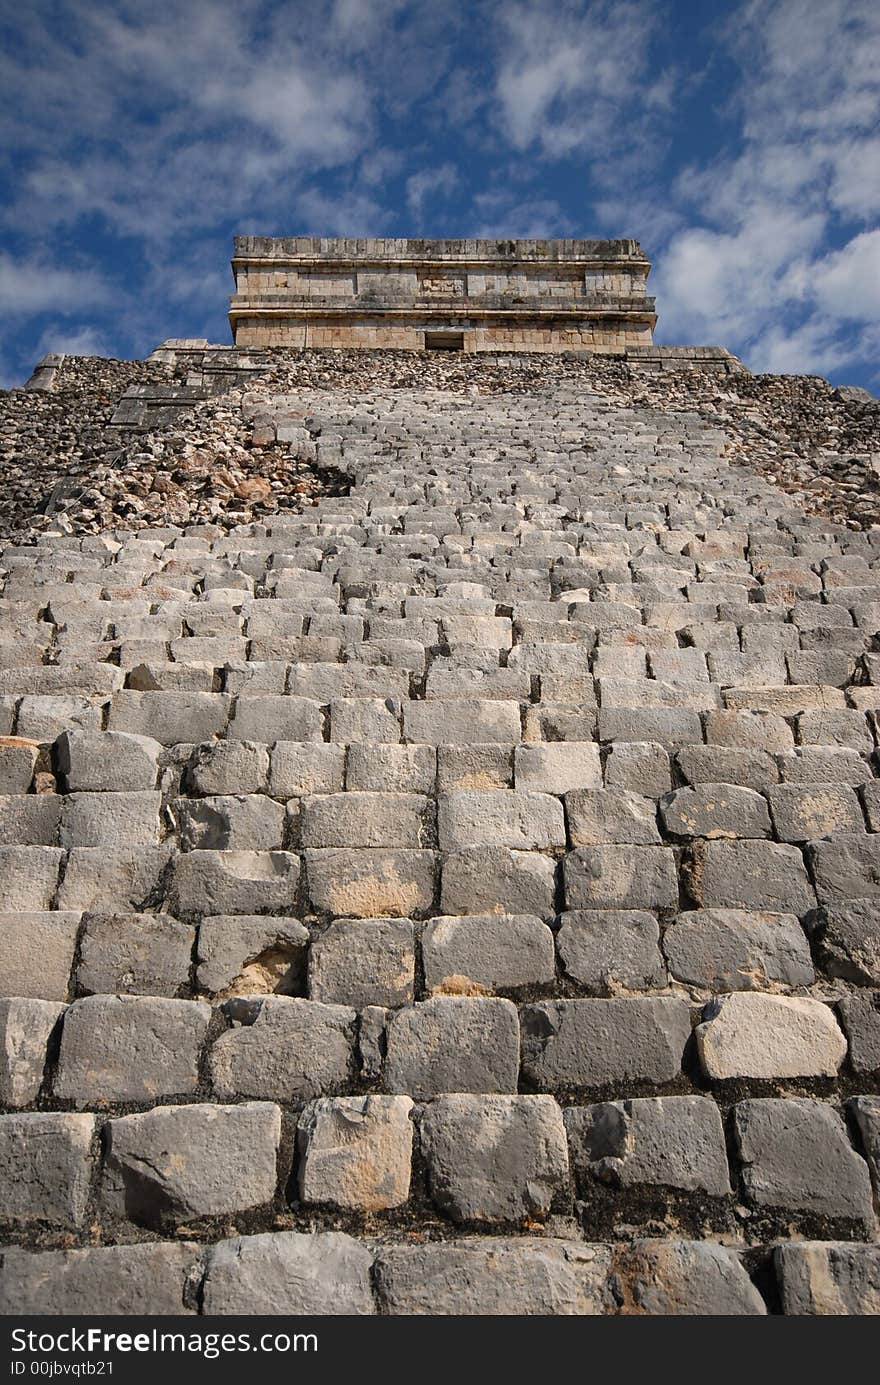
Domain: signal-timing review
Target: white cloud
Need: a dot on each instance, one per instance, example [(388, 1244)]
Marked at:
[(32, 285), (77, 341), (429, 185)]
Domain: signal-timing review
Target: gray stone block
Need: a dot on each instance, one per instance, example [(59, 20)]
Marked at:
[(683, 1278), (363, 962), (26, 1027), (391, 769), (355, 1152), (250, 954), (847, 940), (171, 718), (650, 1142), (829, 1278), (45, 1169), (861, 1021), (494, 1158), (36, 954), (282, 1048), (305, 767), (496, 880), (452, 1044), (804, 812), (494, 1276), (555, 769), (736, 950), (130, 1048), (230, 822), (796, 1157), (484, 953), (235, 882), (111, 1281), (474, 767), (137, 954), (715, 810), (848, 867), (111, 819), (18, 759), (466, 721), (28, 878), (30, 819), (177, 1163), (598, 816), (593, 1043), (289, 1272), (611, 951), (222, 767), (370, 883), (621, 877), (749, 875), (715, 764), (500, 817), (365, 820)]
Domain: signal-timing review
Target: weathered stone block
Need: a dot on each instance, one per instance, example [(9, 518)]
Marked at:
[(391, 769), (36, 954), (363, 962), (222, 767), (768, 1036), (621, 877), (848, 867), (28, 878), (832, 1278), (139, 954), (235, 882), (484, 953), (463, 722), (683, 1278), (370, 883), (861, 1020), (114, 879), (597, 816), (494, 1158), (299, 767), (281, 1048), (735, 950), (496, 880), (453, 1044), (111, 819), (250, 954), (494, 1276), (175, 1163), (101, 1281), (847, 940), (45, 1168), (796, 1157), (130, 1048), (289, 1272), (593, 1043), (365, 820), (715, 810), (555, 769), (804, 812), (612, 950), (355, 1152), (500, 817), (749, 875), (650, 1142), (25, 1029)]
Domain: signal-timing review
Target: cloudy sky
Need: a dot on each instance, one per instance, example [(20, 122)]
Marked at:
[(738, 140)]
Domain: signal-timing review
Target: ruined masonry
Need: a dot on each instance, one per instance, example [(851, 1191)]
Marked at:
[(456, 895)]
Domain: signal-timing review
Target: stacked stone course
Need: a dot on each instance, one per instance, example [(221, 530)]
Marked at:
[(457, 896)]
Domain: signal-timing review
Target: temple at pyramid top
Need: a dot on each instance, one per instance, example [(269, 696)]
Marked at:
[(458, 295)]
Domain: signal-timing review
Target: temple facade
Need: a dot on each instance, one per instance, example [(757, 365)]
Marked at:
[(456, 295)]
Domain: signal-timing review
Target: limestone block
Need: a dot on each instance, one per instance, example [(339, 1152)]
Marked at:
[(111, 819), (175, 1163), (767, 1036), (305, 767), (474, 767), (228, 767), (466, 721), (110, 879), (25, 1029), (106, 761), (832, 1278), (363, 962), (28, 878), (689, 1278), (715, 811), (130, 1048), (598, 816), (365, 720), (861, 1021), (391, 769), (229, 822), (453, 1044), (29, 819), (355, 1152), (171, 718), (845, 868), (804, 812), (494, 1158), (281, 1048), (640, 767), (267, 718), (18, 758), (593, 1043), (500, 817), (718, 764), (365, 820)]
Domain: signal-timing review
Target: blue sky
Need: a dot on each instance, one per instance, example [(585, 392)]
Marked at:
[(739, 142)]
